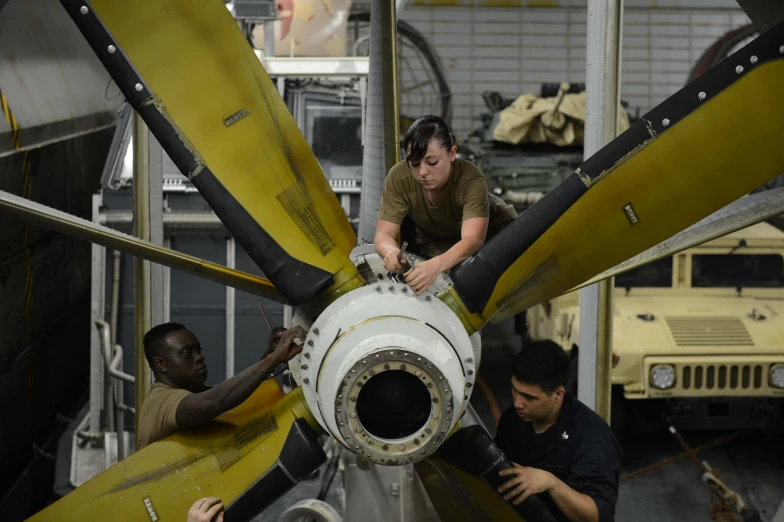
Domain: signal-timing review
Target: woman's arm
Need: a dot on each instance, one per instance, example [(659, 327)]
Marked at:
[(386, 245), (472, 232)]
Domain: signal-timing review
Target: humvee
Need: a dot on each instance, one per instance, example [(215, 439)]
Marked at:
[(698, 337)]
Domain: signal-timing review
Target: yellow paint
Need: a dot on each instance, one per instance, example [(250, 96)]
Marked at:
[(699, 165), (201, 70), (221, 460)]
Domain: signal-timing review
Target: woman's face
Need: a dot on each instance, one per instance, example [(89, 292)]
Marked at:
[(432, 171)]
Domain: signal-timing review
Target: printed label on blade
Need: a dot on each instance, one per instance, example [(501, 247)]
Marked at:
[(234, 118), (245, 441), (150, 509), (630, 214), (299, 206)]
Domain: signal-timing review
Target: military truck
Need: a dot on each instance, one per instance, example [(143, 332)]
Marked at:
[(698, 337)]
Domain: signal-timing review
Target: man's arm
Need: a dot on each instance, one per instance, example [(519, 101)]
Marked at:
[(200, 408), (576, 506)]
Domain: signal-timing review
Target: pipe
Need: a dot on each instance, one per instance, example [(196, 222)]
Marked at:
[(603, 73), (65, 223), (141, 267), (119, 396), (231, 252), (112, 362), (115, 294)]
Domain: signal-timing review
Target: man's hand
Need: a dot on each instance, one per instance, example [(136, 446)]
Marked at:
[(392, 263), (287, 348), (204, 510), (273, 339), (423, 275), (524, 483)]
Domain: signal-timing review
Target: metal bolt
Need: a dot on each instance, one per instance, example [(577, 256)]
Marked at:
[(339, 410), (112, 48), (304, 366), (139, 87), (702, 95), (739, 69), (379, 276), (665, 122), (353, 399), (405, 354), (341, 424), (353, 415), (428, 298), (306, 380), (401, 447), (377, 356), (378, 289), (470, 360), (357, 447), (416, 441), (405, 290), (370, 441), (385, 447), (340, 396), (753, 59), (391, 288), (315, 331), (435, 400), (417, 373), (468, 385), (307, 355), (359, 430), (353, 371), (310, 342), (84, 9), (470, 372), (403, 366)]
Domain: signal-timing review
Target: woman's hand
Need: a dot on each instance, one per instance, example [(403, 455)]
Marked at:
[(392, 263), (423, 274)]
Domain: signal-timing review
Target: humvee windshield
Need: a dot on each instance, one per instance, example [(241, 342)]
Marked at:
[(656, 274), (737, 271)]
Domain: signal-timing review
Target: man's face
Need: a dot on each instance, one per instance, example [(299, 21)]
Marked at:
[(182, 360), (533, 404)]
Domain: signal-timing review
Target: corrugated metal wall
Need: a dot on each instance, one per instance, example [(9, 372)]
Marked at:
[(514, 49)]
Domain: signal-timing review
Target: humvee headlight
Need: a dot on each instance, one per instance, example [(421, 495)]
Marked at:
[(663, 376), (777, 376)]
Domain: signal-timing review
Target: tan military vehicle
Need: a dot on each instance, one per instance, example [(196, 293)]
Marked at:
[(697, 337)]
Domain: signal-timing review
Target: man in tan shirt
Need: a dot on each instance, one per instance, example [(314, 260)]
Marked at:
[(179, 399)]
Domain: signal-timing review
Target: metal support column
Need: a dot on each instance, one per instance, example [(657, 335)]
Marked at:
[(141, 268), (158, 311), (231, 254), (603, 73), (97, 297)]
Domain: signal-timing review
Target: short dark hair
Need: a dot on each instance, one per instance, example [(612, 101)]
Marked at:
[(155, 339), (542, 363), (418, 136)]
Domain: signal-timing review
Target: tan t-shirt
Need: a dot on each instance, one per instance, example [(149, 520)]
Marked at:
[(157, 416), (438, 228)]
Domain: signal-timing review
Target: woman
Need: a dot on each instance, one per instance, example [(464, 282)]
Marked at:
[(445, 197)]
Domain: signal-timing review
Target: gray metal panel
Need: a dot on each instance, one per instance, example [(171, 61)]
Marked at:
[(49, 75), (373, 161)]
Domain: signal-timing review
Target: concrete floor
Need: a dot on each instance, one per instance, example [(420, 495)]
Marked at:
[(752, 465)]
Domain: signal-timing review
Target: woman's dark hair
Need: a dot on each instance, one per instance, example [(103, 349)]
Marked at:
[(420, 133), (542, 363)]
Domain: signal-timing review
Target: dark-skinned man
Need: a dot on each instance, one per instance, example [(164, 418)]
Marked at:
[(562, 451), (178, 399)]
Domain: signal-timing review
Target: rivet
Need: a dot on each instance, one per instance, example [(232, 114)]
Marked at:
[(440, 377), (370, 441), (341, 424), (353, 371), (306, 380), (340, 396), (428, 298), (357, 447), (316, 331), (401, 447), (378, 289), (310, 342), (739, 69), (470, 360), (304, 366), (339, 410), (111, 48), (307, 356), (470, 372), (84, 9), (665, 122), (139, 87), (391, 288), (391, 353), (753, 59), (417, 373), (419, 358), (405, 290), (405, 354), (353, 415), (359, 430)]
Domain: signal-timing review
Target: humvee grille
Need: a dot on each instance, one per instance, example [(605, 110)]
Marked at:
[(709, 331), (721, 376)]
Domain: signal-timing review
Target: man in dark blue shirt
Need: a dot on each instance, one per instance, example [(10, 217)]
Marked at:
[(562, 450)]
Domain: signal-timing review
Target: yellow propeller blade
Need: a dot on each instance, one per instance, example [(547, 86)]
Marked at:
[(706, 146), (187, 69), (249, 457)]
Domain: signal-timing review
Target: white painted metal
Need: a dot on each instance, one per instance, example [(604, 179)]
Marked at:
[(603, 71), (313, 67), (378, 328), (231, 254)]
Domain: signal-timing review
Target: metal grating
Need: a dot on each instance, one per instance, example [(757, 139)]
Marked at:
[(721, 377), (255, 9), (709, 331)]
